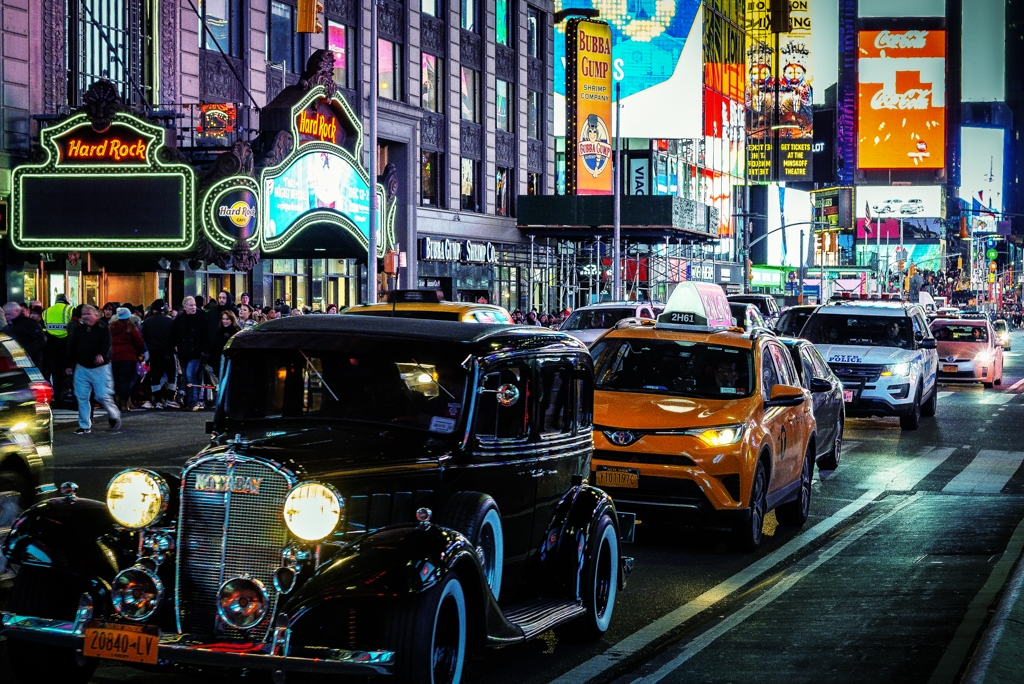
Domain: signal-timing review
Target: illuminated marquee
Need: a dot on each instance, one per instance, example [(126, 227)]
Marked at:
[(321, 181), (231, 212), (589, 106), (103, 186)]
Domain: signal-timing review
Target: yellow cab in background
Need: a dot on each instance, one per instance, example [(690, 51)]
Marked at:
[(698, 423), (428, 305)]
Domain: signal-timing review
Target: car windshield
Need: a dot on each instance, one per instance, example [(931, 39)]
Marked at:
[(858, 330), (1000, 326), (960, 333), (792, 322), (673, 367), (761, 304), (395, 383), (597, 319)]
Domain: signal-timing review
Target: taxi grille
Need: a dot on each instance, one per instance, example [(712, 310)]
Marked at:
[(630, 457), (857, 373), (222, 535)]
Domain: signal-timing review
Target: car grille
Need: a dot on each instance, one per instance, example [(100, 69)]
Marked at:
[(857, 373), (222, 535), (654, 459)]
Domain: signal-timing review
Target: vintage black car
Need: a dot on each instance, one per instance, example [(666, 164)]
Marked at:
[(379, 495)]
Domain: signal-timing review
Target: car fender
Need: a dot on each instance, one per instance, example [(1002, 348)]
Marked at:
[(398, 561), (72, 535), (564, 551)]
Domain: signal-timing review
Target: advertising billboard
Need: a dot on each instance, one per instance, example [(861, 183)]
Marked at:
[(981, 168), (588, 133), (901, 100), (656, 49), (900, 201)]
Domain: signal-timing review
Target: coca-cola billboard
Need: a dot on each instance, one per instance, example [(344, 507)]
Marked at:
[(902, 100)]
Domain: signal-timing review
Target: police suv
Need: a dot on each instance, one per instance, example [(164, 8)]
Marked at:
[(884, 354)]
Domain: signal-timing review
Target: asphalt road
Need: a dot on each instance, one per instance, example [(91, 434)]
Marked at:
[(892, 578)]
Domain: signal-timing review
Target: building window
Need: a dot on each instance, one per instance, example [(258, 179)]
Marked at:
[(430, 82), (430, 178), (470, 95), (341, 41), (533, 36), (533, 184), (502, 103), (469, 185), (503, 192), (533, 114), (115, 47), (469, 15), (431, 7), (284, 45), (220, 28), (502, 34), (389, 66)]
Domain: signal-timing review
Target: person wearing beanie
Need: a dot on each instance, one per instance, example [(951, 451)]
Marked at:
[(126, 349)]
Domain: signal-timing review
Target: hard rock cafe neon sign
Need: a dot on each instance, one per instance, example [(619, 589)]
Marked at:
[(316, 126), (120, 144)]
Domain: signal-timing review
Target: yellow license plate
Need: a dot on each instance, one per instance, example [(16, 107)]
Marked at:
[(628, 478), (117, 641), (950, 369)]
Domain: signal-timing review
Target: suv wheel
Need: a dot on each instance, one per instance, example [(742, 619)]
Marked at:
[(747, 535), (476, 516), (912, 420), (795, 512), (831, 460), (928, 410)]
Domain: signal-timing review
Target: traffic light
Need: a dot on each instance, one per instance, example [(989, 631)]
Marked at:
[(993, 266), (821, 242), (963, 228), (833, 242), (901, 264), (912, 271), (308, 18)]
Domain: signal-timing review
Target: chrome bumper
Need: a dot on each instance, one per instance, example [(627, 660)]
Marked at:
[(190, 650)]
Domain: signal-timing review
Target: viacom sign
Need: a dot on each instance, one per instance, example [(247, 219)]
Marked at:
[(902, 100), (465, 251)]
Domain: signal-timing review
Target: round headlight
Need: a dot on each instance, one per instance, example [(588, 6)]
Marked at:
[(312, 510), (136, 593), (242, 602), (136, 498)]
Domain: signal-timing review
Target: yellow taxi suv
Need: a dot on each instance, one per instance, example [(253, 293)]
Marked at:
[(699, 423), (426, 304)]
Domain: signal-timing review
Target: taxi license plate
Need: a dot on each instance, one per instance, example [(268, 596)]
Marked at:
[(117, 641), (950, 369), (848, 396), (627, 478)]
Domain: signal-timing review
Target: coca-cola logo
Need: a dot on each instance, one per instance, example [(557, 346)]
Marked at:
[(908, 40), (915, 98)]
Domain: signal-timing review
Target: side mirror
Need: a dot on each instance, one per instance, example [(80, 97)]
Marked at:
[(785, 395), (819, 385), (928, 343)]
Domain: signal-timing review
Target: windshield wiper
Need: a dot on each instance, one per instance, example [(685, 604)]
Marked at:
[(310, 366), (431, 376)]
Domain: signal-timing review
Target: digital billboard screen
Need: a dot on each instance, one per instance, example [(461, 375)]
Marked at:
[(981, 168), (901, 100)]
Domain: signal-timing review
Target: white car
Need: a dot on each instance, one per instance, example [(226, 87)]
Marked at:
[(889, 206), (587, 323), (914, 206), (884, 354)]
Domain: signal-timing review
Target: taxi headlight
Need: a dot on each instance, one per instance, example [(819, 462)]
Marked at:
[(718, 436), (984, 356), (898, 370), (313, 510), (137, 498)]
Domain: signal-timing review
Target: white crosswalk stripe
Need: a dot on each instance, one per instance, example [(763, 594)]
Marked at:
[(988, 473), (996, 399), (907, 474), (943, 395)]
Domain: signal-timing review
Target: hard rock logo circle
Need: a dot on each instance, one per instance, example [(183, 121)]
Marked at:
[(594, 149)]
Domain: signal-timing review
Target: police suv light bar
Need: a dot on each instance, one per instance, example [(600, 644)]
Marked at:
[(697, 306)]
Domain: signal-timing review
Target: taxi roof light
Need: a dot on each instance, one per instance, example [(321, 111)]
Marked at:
[(701, 307)]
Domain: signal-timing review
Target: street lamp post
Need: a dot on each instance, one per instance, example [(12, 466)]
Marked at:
[(371, 248)]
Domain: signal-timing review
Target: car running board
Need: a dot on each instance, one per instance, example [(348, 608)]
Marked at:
[(539, 616)]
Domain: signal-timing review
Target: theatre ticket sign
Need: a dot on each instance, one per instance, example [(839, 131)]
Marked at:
[(103, 184)]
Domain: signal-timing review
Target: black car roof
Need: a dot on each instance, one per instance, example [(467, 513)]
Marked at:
[(482, 338)]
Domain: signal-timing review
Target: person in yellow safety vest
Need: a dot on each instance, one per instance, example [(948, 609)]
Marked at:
[(55, 322)]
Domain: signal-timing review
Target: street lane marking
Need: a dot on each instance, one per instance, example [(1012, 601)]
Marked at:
[(702, 641), (645, 636), (1015, 385), (996, 399), (943, 395), (905, 476), (988, 473)]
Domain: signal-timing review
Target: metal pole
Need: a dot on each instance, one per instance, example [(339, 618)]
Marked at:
[(617, 209), (878, 253), (800, 294), (529, 281), (596, 280), (371, 255)]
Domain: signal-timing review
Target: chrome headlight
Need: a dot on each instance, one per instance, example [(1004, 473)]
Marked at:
[(137, 498), (313, 510), (136, 593), (718, 436), (899, 370)]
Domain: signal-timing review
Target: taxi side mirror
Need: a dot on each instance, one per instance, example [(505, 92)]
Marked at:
[(928, 343), (784, 395)]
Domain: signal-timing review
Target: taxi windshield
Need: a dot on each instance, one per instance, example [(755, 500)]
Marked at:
[(393, 383), (960, 333), (597, 319), (1000, 326), (672, 367), (864, 331)]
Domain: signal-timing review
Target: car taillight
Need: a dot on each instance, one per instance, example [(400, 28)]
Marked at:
[(42, 391)]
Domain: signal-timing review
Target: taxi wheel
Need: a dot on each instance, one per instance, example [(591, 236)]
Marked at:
[(747, 535), (600, 585), (43, 593), (795, 512), (427, 632), (476, 516), (987, 385), (912, 420)]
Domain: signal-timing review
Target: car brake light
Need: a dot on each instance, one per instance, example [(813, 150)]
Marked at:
[(42, 391)]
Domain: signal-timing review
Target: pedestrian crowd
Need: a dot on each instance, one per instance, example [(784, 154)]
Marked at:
[(546, 320), (129, 358)]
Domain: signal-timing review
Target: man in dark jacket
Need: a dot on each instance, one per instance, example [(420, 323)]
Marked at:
[(89, 351), (191, 337), (157, 334), (26, 331)]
